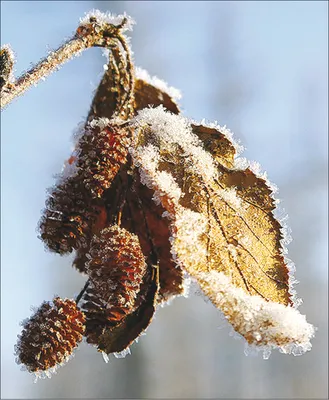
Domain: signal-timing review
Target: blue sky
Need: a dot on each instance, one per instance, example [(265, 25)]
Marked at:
[(281, 50)]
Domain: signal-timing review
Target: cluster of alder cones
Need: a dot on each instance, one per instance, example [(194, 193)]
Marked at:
[(137, 193), (101, 210)]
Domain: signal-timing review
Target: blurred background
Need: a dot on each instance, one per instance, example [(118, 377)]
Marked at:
[(261, 68)]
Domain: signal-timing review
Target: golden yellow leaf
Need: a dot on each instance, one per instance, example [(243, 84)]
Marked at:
[(223, 231), (241, 237), (214, 141)]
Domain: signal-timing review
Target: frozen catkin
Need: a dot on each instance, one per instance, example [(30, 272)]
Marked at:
[(68, 217), (116, 268), (50, 335), (6, 67), (102, 149), (75, 203)]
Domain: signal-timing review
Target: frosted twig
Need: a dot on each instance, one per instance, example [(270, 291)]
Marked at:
[(79, 296), (97, 32)]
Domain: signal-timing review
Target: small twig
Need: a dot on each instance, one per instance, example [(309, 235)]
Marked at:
[(130, 70), (123, 99), (43, 69), (79, 296), (91, 35)]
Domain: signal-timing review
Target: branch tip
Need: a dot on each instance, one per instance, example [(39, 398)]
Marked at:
[(96, 29)]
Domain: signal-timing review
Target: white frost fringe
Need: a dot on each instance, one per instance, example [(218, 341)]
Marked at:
[(264, 325), (108, 18), (142, 74)]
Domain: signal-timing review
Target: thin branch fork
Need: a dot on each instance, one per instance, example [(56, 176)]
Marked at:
[(86, 36)]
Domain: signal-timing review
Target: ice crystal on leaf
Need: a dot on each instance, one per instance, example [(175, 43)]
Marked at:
[(159, 84), (224, 232), (150, 201)]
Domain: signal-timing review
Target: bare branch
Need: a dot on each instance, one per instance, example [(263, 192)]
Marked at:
[(96, 33)]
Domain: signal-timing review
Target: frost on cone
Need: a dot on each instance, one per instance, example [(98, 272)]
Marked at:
[(6, 66), (50, 335), (74, 208), (102, 149), (116, 269), (68, 216)]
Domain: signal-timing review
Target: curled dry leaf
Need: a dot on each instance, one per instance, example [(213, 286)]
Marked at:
[(141, 216), (146, 94), (118, 338), (221, 221)]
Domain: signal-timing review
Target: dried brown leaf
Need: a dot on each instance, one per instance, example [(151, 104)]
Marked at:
[(214, 141), (154, 233), (147, 94), (242, 237), (118, 338), (106, 98)]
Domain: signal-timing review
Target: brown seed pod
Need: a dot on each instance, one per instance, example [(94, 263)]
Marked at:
[(116, 269), (50, 335), (68, 217), (6, 67), (102, 149), (117, 339)]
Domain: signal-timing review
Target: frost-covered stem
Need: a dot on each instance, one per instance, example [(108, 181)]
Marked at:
[(93, 34), (130, 72), (79, 296), (43, 69)]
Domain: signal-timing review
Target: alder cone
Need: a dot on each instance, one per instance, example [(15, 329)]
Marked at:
[(68, 217), (50, 335), (119, 337), (116, 269), (6, 66), (102, 150), (81, 259), (99, 223)]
